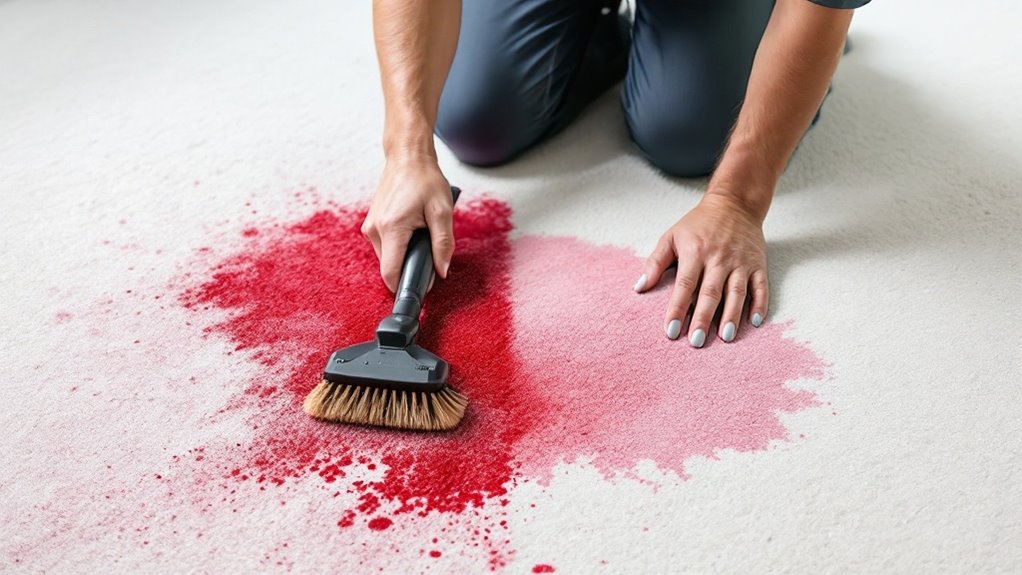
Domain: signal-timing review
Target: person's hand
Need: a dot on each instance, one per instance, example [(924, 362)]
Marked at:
[(411, 194), (721, 256)]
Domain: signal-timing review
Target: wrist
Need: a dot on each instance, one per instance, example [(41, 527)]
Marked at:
[(750, 202), (408, 140), (747, 185)]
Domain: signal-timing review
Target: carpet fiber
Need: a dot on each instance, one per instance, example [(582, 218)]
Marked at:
[(181, 188)]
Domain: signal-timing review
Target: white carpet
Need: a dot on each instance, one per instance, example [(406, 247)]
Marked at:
[(132, 134)]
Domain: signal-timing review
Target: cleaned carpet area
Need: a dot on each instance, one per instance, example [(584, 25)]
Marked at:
[(181, 187)]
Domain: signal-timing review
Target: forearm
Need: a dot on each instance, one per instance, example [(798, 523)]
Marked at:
[(415, 44), (793, 67)]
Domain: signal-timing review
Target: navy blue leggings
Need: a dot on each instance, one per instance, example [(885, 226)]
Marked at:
[(525, 68)]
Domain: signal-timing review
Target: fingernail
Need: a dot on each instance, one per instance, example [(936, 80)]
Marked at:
[(447, 266), (698, 338), (728, 334), (674, 329), (757, 320), (639, 285)]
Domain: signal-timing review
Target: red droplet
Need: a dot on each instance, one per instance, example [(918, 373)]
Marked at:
[(543, 568), (380, 523)]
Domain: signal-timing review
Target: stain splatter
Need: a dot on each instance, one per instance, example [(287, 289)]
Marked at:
[(298, 293), (560, 360)]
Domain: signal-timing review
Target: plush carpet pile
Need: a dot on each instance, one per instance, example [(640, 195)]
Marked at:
[(181, 187)]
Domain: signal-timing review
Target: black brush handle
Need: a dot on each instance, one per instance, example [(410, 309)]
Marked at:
[(402, 325)]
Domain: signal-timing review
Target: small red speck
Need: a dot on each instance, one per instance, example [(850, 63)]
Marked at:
[(347, 520), (250, 232), (543, 568), (380, 523), (434, 554)]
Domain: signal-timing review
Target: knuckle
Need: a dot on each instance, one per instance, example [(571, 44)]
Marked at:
[(442, 210), (710, 290), (736, 288), (443, 241), (685, 283), (659, 255), (696, 246), (387, 223)]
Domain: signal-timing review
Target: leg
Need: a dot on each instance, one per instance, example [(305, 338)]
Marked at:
[(689, 67), (512, 79)]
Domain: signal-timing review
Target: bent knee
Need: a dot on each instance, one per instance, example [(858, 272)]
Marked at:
[(476, 142), (682, 145), (477, 127)]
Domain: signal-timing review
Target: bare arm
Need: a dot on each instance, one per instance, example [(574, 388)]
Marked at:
[(719, 245), (792, 70), (415, 44)]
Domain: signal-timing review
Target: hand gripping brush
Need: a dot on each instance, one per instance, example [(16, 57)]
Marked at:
[(391, 381)]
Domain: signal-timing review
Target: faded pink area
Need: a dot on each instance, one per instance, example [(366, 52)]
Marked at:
[(624, 392)]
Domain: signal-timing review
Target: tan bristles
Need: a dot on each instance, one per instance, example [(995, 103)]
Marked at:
[(360, 405)]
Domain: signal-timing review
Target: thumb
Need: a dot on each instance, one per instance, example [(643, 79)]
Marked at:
[(655, 265), (441, 233)]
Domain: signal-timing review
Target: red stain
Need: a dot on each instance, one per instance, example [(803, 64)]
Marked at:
[(313, 287), (435, 554), (380, 523), (543, 568)]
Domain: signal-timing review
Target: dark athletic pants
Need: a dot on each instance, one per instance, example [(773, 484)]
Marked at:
[(525, 68)]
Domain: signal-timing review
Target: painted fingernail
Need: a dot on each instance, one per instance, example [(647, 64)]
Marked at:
[(757, 320), (639, 285), (674, 329), (728, 334), (698, 338)]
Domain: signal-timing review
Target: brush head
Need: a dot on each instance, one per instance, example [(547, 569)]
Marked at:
[(440, 410), (400, 387)]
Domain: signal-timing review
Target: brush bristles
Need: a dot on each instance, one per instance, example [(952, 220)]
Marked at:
[(361, 405)]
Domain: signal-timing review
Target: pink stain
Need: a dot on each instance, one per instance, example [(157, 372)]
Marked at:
[(623, 392)]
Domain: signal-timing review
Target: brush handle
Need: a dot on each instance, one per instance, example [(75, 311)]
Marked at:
[(402, 325)]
